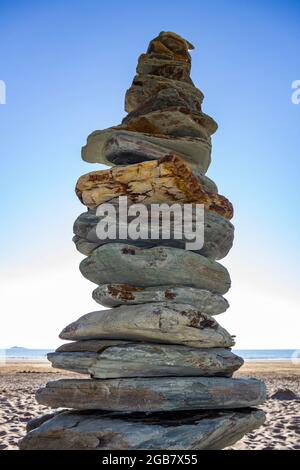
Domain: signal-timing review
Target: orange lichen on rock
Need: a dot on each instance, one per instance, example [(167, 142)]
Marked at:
[(166, 180)]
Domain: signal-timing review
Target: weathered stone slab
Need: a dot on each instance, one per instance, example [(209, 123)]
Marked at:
[(114, 295), (148, 360), (171, 45), (218, 233), (39, 420), (167, 180), (161, 323), (119, 263), (168, 57), (196, 152), (189, 430), (90, 345), (174, 121), (125, 148), (161, 92), (153, 394), (149, 64)]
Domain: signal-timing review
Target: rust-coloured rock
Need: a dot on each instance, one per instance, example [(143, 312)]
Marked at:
[(114, 295), (167, 180)]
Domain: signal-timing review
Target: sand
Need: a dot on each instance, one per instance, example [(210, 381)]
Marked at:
[(19, 381)]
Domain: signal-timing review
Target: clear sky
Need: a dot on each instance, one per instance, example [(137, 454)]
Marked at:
[(67, 65)]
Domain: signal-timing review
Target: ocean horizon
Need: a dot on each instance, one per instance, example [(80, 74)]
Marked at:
[(27, 354)]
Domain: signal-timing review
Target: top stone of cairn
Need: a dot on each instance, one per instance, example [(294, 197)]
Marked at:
[(164, 112)]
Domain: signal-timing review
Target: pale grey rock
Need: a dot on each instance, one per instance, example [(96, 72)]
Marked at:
[(157, 322), (153, 394), (148, 360), (116, 145), (120, 263), (114, 295), (189, 430), (218, 234)]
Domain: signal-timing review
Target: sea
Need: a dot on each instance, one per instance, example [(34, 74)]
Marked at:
[(19, 354)]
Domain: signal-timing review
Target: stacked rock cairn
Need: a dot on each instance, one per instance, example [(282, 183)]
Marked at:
[(159, 364)]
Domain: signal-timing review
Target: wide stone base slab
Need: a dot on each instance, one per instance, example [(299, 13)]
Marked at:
[(153, 394), (197, 430)]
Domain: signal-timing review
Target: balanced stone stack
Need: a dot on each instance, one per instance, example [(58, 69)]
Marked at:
[(159, 364)]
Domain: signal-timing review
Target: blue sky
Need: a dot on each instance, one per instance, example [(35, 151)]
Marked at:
[(67, 65)]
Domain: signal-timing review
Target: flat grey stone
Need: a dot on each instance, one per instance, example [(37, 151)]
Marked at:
[(126, 148), (196, 152), (189, 430), (90, 345), (153, 394), (218, 234), (157, 322), (157, 266), (149, 360), (114, 295)]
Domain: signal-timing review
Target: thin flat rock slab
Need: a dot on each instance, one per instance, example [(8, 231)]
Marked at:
[(117, 146), (176, 121), (153, 394), (114, 295), (157, 322), (218, 232), (186, 430), (168, 180), (127, 148), (157, 266), (149, 360), (155, 64), (89, 345)]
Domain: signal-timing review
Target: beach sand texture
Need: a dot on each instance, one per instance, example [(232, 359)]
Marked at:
[(19, 382)]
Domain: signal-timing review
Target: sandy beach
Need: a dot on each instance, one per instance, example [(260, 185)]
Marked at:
[(19, 381)]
